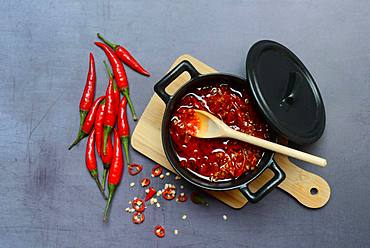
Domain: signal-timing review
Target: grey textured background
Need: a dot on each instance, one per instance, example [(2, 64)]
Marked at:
[(47, 198)]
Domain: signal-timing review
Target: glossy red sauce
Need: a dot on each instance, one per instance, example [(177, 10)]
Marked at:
[(217, 159)]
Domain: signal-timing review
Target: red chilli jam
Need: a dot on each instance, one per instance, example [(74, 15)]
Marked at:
[(217, 159)]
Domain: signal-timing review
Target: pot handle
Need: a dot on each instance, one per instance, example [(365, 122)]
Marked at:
[(160, 87), (279, 176)]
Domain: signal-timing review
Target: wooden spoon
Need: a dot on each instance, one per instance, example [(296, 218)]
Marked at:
[(210, 126)]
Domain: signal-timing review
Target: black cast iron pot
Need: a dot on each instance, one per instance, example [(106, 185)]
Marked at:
[(196, 81)]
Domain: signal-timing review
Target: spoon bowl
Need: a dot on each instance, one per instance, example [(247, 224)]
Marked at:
[(208, 126)]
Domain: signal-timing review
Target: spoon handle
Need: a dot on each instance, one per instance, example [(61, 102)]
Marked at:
[(276, 148)]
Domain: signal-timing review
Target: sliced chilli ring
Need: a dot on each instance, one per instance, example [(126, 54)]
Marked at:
[(138, 205), (138, 218), (145, 182), (157, 170), (134, 169), (169, 193), (160, 231), (182, 197)]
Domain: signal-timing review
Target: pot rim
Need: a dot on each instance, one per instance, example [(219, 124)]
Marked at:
[(167, 142), (241, 182)]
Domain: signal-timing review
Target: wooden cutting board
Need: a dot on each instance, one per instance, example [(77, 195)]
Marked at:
[(307, 188)]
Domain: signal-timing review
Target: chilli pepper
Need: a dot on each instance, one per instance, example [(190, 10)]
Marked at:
[(98, 126), (90, 160), (88, 94), (110, 114), (115, 172), (123, 127), (87, 98), (88, 123), (107, 160), (119, 75), (125, 56), (150, 194), (118, 69), (134, 169)]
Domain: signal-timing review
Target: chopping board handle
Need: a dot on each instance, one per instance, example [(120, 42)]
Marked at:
[(307, 188)]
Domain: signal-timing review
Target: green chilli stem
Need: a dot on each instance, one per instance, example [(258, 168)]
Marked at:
[(105, 172), (83, 115), (107, 130), (112, 189), (126, 93), (94, 174), (109, 43), (80, 136), (125, 142), (110, 75)]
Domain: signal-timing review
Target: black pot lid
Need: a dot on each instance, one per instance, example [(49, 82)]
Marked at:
[(285, 92)]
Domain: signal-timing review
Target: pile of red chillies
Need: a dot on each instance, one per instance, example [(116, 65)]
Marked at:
[(107, 114)]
